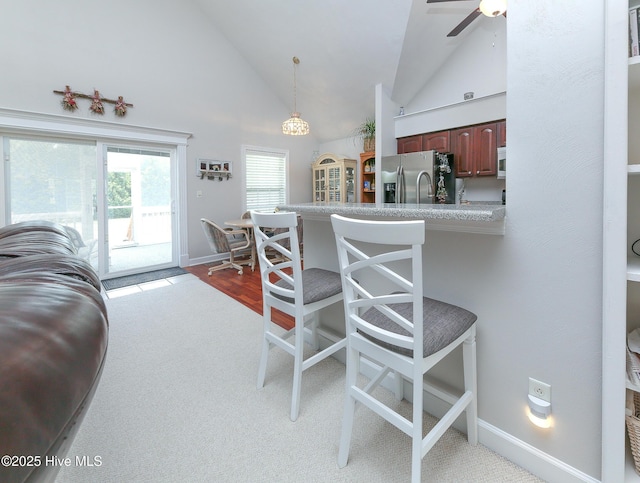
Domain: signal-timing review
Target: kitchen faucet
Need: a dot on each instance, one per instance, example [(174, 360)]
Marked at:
[(429, 191)]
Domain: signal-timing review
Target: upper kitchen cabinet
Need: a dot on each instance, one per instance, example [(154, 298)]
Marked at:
[(334, 178), (411, 144), (502, 134), (437, 141), (475, 150), (474, 147), (432, 141)]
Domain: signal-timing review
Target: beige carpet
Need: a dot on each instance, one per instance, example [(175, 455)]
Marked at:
[(177, 403)]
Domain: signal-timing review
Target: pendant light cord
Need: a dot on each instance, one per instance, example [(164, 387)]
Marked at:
[(296, 61)]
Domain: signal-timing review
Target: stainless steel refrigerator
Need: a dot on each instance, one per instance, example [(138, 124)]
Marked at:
[(422, 177)]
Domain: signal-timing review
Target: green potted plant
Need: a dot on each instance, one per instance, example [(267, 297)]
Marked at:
[(367, 132)]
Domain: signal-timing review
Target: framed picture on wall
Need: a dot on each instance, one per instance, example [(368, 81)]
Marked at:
[(212, 165)]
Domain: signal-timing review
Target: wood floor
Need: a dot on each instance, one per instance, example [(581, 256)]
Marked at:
[(245, 288)]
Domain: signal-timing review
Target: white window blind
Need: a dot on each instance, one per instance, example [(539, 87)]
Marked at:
[(266, 181)]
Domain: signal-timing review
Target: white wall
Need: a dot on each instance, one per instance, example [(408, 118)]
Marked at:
[(537, 290), (555, 74), (177, 71), (347, 147), (386, 142), (477, 66)]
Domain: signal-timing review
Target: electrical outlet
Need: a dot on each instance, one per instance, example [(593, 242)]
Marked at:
[(540, 389)]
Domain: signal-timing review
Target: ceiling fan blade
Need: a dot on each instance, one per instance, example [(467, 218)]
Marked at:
[(465, 23)]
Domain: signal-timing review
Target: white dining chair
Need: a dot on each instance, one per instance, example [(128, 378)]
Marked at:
[(294, 291), (391, 324)]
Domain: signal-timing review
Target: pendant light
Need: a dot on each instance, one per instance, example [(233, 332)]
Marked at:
[(295, 126)]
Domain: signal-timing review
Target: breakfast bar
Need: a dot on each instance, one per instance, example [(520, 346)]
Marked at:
[(462, 250), (462, 244), (484, 217)]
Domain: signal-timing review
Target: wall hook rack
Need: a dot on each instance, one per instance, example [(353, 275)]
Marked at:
[(215, 174), (97, 101)]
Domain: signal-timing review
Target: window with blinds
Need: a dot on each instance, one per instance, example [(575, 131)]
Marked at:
[(266, 180)]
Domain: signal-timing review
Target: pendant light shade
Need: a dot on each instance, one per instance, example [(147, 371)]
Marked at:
[(295, 126), (493, 8)]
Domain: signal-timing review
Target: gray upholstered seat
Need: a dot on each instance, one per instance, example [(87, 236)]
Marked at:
[(442, 323), (317, 284)]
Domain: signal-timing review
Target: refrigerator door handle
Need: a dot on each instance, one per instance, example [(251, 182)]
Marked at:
[(400, 184)]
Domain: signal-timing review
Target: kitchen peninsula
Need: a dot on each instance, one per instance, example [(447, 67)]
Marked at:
[(484, 217), (463, 251)]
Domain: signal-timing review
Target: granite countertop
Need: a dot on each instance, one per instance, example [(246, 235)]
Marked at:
[(474, 217), (473, 211)]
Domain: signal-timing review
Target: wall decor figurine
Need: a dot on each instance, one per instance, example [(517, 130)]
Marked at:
[(96, 103), (121, 107), (68, 101)]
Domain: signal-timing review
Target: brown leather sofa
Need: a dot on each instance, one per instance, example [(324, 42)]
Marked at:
[(53, 343)]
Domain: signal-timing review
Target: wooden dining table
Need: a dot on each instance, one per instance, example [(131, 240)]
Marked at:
[(247, 225)]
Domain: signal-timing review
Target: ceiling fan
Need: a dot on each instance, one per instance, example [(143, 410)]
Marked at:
[(490, 8)]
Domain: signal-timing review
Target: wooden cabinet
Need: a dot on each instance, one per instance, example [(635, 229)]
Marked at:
[(437, 141), (333, 178), (486, 150), (475, 150), (411, 144), (368, 177), (474, 147), (462, 143), (502, 134)]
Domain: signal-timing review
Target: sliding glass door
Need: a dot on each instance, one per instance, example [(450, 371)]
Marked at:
[(140, 225), (121, 217), (54, 180)]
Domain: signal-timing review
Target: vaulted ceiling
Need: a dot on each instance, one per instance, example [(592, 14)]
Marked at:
[(345, 49)]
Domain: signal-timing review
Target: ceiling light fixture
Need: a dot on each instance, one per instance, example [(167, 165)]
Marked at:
[(295, 126), (493, 8)]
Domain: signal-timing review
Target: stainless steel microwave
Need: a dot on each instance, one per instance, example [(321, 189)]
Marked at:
[(502, 163)]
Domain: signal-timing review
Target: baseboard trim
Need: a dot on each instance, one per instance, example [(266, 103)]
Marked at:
[(532, 459), (207, 259), (519, 452)]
